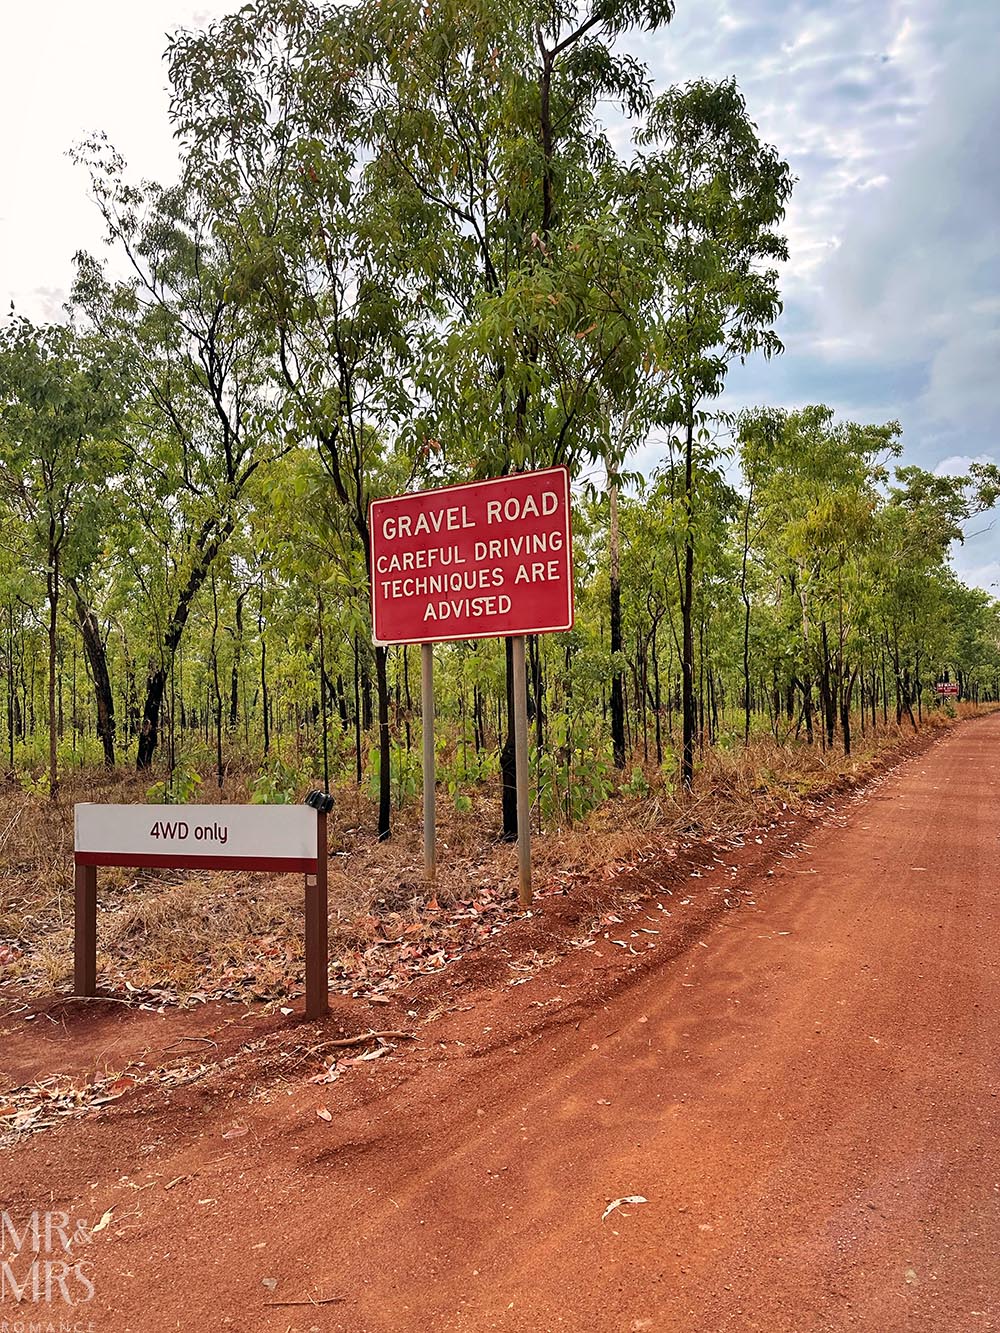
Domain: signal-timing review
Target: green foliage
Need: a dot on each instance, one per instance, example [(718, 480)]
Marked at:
[(275, 784), (637, 784), (178, 788), (37, 784), (405, 773)]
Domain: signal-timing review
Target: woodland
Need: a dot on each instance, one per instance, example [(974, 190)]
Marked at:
[(406, 249)]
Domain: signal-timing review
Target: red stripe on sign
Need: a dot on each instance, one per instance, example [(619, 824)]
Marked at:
[(306, 864)]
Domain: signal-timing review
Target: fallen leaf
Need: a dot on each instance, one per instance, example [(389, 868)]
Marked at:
[(617, 1203), (324, 1114), (235, 1132), (103, 1222)]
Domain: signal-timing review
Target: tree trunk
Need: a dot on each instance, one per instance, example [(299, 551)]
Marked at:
[(845, 709), (687, 618), (234, 683), (384, 746), (52, 588), (827, 691), (657, 701), (508, 767), (156, 681), (207, 548), (617, 683), (263, 671), (93, 646), (744, 593)]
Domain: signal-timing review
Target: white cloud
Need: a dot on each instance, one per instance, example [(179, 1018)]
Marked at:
[(958, 464), (888, 112)]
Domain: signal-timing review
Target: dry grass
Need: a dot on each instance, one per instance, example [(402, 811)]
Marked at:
[(198, 931)]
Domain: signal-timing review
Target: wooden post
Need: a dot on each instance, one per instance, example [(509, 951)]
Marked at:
[(427, 722), (85, 931), (317, 946), (521, 770)]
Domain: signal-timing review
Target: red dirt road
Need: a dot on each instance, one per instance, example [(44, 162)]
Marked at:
[(804, 1088)]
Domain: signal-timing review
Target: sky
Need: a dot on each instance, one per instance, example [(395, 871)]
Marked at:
[(888, 112)]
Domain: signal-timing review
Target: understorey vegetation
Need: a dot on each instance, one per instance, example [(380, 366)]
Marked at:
[(404, 251)]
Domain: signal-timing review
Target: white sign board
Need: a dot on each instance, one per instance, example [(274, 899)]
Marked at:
[(211, 837)]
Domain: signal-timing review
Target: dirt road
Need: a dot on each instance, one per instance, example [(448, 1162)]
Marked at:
[(791, 1056)]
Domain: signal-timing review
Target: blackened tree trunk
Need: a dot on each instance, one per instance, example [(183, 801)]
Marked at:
[(97, 659), (508, 763), (207, 547), (366, 694), (807, 706), (845, 709), (384, 745), (827, 691), (537, 689), (234, 682)]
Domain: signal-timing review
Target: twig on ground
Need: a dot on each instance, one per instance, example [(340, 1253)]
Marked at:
[(321, 1300), (366, 1036), (207, 1041), (11, 825)]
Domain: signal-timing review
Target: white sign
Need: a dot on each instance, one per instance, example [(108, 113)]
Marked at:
[(213, 837)]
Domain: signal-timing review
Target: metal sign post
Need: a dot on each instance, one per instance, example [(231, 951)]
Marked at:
[(521, 772), (427, 721)]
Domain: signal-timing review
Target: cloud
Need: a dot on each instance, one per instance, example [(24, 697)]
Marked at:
[(958, 464), (888, 112)]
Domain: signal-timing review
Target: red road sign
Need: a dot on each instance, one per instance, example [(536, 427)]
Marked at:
[(946, 687), (473, 561)]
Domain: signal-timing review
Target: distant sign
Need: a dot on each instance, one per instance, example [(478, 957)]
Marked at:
[(473, 561), (209, 837), (946, 687)]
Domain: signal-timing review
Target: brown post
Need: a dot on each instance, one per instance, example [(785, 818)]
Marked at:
[(85, 931), (317, 946)]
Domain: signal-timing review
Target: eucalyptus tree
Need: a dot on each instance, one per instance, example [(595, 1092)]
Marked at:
[(820, 481), (60, 404), (708, 195), (270, 104), (489, 155), (203, 425), (418, 192), (923, 517)]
